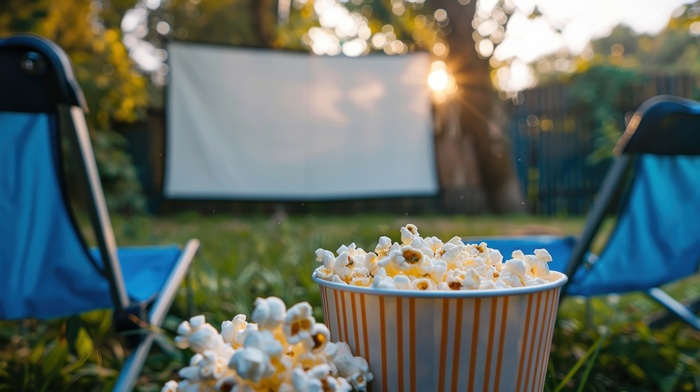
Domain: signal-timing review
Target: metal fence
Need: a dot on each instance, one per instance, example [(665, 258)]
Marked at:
[(552, 140)]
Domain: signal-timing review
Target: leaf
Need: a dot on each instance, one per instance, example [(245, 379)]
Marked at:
[(592, 353), (587, 372), (73, 326), (84, 345), (54, 361), (37, 352)]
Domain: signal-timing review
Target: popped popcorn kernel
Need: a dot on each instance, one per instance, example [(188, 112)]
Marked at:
[(411, 256), (472, 279), (402, 282), (407, 235), (383, 246), (516, 267), (320, 335), (233, 332), (370, 263), (170, 386), (251, 364), (326, 257), (324, 273), (423, 284), (198, 335), (269, 312), (298, 324), (360, 277), (543, 255), (417, 263)]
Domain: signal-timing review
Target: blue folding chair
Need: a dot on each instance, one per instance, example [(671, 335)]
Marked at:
[(656, 235), (46, 269)]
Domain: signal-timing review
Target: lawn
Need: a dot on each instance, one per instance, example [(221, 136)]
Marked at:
[(601, 344)]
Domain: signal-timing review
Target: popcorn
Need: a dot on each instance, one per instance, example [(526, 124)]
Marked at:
[(402, 282), (360, 277), (170, 386), (417, 263), (516, 267), (282, 349), (383, 246), (298, 324), (198, 335), (423, 284), (343, 264), (408, 233), (268, 313), (370, 263), (252, 364), (234, 332), (317, 379), (543, 255), (207, 366), (510, 279), (383, 282), (349, 366)]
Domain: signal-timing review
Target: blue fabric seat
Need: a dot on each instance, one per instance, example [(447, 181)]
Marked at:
[(655, 239), (558, 246), (46, 268), (145, 269)]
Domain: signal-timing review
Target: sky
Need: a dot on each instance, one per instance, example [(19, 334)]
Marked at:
[(580, 21)]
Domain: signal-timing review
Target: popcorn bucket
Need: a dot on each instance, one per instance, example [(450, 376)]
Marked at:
[(476, 340)]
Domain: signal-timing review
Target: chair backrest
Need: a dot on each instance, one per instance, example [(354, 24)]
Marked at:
[(656, 236), (45, 268)]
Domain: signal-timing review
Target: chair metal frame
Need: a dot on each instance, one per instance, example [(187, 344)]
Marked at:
[(43, 55), (653, 129), (663, 125)]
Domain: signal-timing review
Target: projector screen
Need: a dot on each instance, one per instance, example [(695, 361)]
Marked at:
[(259, 124)]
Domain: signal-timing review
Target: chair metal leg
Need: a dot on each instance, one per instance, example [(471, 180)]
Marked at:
[(190, 294), (133, 365), (166, 296), (675, 307)]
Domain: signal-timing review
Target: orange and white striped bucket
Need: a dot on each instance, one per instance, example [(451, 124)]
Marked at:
[(481, 340)]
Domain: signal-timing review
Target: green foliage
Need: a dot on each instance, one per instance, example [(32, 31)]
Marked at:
[(56, 355), (632, 356), (118, 173), (604, 344), (115, 92), (614, 75), (599, 92)]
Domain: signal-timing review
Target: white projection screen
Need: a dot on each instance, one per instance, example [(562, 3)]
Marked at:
[(254, 124)]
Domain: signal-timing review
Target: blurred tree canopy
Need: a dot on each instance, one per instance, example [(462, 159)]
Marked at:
[(89, 31), (612, 67)]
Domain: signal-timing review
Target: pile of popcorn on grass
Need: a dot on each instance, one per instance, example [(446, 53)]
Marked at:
[(418, 263), (281, 350)]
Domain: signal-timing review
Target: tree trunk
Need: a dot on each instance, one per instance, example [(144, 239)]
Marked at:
[(264, 13), (475, 106)]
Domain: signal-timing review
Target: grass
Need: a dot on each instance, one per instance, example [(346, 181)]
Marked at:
[(602, 344)]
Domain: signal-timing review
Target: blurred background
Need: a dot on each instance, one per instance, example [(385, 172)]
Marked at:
[(528, 97)]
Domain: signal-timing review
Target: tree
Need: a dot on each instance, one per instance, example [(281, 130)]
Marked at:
[(478, 108), (605, 77), (89, 32)]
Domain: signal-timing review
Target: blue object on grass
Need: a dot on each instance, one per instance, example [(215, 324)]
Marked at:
[(46, 269), (653, 185)]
